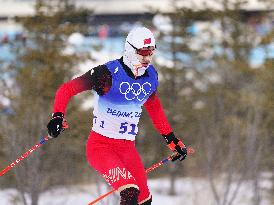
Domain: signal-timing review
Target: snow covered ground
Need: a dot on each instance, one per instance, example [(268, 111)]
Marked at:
[(190, 191)]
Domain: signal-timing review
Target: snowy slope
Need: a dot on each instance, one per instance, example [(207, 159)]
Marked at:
[(190, 191)]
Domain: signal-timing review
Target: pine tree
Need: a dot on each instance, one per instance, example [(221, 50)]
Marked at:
[(40, 67), (218, 98)]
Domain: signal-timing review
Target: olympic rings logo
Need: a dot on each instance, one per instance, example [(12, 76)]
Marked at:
[(135, 90)]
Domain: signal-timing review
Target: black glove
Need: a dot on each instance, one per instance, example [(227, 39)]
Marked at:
[(57, 124), (176, 145)]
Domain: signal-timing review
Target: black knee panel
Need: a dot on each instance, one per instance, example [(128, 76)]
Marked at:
[(148, 202), (129, 196)]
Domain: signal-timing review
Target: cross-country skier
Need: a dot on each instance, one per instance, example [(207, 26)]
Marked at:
[(122, 87)]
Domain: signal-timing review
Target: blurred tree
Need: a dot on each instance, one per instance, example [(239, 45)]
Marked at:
[(234, 115), (218, 99), (40, 67), (175, 88), (266, 79)]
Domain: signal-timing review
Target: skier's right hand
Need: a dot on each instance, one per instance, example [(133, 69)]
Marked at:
[(57, 124)]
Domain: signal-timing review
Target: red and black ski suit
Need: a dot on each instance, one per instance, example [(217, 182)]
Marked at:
[(117, 160)]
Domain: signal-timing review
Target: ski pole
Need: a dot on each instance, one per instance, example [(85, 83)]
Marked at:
[(25, 155), (164, 161)]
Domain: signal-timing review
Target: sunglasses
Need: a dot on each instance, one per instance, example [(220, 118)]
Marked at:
[(144, 51)]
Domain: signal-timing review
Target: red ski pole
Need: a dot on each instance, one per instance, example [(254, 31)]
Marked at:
[(164, 161), (25, 155)]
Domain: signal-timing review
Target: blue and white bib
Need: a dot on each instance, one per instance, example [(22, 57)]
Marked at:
[(117, 113)]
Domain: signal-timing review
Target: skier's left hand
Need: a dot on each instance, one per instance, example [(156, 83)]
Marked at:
[(176, 145)]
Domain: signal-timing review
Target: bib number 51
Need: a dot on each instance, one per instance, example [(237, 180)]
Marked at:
[(128, 128)]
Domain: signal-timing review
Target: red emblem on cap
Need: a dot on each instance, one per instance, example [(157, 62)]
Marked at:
[(147, 41)]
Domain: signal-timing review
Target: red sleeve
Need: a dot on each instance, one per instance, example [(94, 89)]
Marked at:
[(98, 79), (69, 89), (156, 112)]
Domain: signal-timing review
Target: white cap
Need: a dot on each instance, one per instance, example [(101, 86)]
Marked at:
[(137, 38), (140, 37)]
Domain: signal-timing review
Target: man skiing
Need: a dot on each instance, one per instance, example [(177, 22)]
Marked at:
[(121, 87)]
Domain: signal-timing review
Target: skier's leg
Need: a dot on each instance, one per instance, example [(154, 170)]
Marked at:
[(102, 157), (129, 196), (131, 158), (148, 202)]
